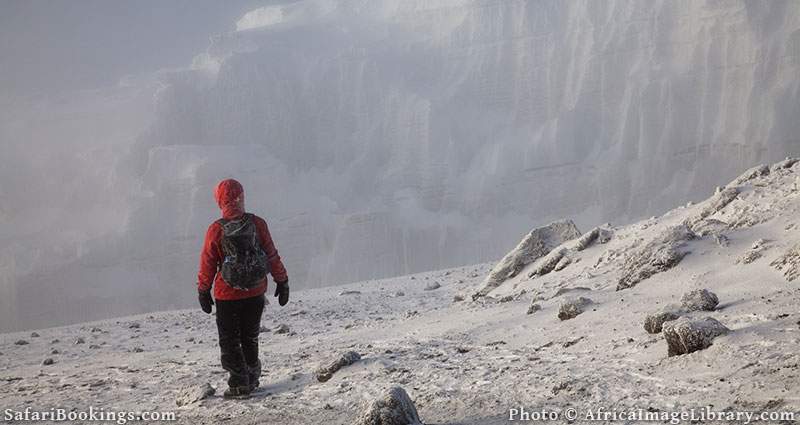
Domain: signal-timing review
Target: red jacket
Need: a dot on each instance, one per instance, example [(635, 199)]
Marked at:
[(230, 198)]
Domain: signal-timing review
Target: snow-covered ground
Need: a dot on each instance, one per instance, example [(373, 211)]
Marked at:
[(469, 362)]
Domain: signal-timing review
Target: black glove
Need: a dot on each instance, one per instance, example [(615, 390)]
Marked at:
[(205, 301), (282, 292)]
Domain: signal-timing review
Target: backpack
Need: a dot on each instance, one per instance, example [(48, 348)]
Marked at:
[(245, 262)]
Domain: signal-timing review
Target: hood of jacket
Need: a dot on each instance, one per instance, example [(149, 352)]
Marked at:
[(229, 195)]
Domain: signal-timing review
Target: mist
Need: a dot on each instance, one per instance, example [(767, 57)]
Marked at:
[(377, 138)]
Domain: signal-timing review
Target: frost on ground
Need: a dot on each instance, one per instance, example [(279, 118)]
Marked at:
[(469, 362)]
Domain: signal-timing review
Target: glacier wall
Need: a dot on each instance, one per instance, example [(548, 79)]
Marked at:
[(386, 137)]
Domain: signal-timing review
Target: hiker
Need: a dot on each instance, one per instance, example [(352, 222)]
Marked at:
[(238, 252)]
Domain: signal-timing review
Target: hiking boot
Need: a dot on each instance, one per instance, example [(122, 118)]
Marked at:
[(237, 392)]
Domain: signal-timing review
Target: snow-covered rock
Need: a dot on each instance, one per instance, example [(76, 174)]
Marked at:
[(194, 393), (654, 322), (699, 300), (393, 407), (571, 308), (686, 336), (718, 201), (325, 372), (659, 255), (789, 263), (536, 244)]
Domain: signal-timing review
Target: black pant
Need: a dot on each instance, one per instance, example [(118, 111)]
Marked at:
[(239, 323)]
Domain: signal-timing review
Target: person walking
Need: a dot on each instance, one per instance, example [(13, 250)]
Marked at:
[(237, 255)]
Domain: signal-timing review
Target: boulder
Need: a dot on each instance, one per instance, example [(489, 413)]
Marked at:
[(194, 393), (757, 171), (786, 163), (654, 322), (533, 246), (571, 308), (659, 255), (597, 235), (715, 203), (789, 263), (393, 407), (432, 286), (686, 336), (534, 308), (549, 262), (325, 373), (562, 263), (699, 300)]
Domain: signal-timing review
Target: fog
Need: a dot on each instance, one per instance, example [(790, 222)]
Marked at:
[(376, 137)]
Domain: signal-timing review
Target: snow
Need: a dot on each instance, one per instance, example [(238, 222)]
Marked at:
[(467, 362)]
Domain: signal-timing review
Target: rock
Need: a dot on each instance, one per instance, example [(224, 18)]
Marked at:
[(699, 300), (549, 262), (757, 171), (134, 325), (571, 308), (21, 342), (34, 335), (80, 340), (48, 361), (399, 294), (536, 244), (393, 407), (711, 206), (282, 329), (659, 255), (343, 293), (749, 256), (55, 341), (686, 336), (562, 263), (194, 394), (458, 298), (324, 373), (138, 350), (96, 330), (654, 322), (533, 308), (54, 351), (597, 235), (263, 329), (786, 163), (94, 346), (432, 286), (789, 263)]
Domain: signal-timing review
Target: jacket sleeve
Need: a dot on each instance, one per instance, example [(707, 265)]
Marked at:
[(276, 266), (209, 258)]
